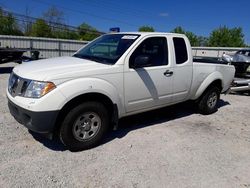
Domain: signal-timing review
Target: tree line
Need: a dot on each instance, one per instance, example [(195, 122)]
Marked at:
[(220, 37), (52, 25)]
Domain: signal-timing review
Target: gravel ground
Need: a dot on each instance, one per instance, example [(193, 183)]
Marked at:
[(172, 147)]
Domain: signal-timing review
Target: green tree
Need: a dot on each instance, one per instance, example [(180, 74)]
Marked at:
[(225, 37), (40, 29), (203, 41), (54, 15), (179, 30), (55, 19), (66, 33), (26, 24), (146, 28), (8, 24), (87, 32), (194, 39)]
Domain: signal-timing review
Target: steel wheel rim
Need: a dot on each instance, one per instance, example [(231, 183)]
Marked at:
[(212, 100), (86, 126)]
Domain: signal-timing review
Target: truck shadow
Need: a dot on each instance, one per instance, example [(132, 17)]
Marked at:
[(54, 144), (135, 122), (151, 118), (6, 70)]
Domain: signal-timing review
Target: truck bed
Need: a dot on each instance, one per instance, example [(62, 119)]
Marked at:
[(203, 71)]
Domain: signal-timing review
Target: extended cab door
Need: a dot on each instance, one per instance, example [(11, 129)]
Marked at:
[(148, 75), (183, 69)]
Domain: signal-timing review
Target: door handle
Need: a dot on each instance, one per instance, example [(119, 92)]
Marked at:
[(168, 73)]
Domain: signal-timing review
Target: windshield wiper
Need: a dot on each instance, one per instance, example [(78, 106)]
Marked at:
[(92, 58), (77, 55)]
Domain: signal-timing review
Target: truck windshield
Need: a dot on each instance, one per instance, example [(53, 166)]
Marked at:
[(108, 48)]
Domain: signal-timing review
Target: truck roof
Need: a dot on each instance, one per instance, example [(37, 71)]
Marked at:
[(150, 33)]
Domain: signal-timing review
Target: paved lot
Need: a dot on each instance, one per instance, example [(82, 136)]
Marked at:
[(172, 147)]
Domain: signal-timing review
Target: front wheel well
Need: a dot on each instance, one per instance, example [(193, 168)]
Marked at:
[(97, 97)]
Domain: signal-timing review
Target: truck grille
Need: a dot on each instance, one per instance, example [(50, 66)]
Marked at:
[(17, 85)]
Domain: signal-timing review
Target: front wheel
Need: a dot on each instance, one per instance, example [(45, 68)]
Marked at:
[(84, 126), (207, 104)]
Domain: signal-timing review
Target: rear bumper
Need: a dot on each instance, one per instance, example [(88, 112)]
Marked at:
[(40, 122)]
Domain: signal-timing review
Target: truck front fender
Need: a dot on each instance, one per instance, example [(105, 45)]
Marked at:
[(207, 82), (77, 87)]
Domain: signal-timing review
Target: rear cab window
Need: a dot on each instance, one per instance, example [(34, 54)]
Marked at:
[(180, 48)]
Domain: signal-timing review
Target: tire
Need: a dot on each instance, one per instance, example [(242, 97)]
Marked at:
[(84, 126), (208, 102)]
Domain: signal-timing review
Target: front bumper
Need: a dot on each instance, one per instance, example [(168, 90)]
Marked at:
[(40, 122)]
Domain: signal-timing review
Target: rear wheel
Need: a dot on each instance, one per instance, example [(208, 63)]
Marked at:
[(207, 104), (84, 126)]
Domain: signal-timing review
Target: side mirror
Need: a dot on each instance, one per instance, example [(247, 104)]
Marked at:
[(141, 61)]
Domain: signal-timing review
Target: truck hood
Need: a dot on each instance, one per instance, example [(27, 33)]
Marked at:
[(58, 68)]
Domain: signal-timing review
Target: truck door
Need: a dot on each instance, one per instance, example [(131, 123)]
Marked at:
[(148, 75), (183, 70)]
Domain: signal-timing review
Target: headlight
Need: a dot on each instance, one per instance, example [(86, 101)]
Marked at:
[(38, 89)]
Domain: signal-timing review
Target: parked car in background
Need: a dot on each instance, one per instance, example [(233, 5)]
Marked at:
[(241, 60)]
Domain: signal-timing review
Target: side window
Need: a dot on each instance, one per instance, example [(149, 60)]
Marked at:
[(151, 52), (180, 48)]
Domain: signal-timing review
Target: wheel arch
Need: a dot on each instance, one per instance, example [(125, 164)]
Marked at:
[(216, 83), (214, 79), (93, 96)]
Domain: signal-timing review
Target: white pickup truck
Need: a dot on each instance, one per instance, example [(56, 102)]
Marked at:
[(114, 76)]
